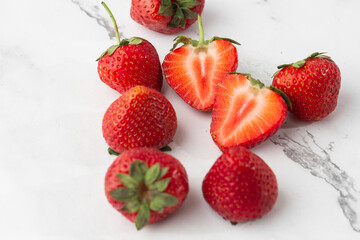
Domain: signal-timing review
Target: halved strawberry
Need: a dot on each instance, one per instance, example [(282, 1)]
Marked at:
[(245, 112), (194, 69)]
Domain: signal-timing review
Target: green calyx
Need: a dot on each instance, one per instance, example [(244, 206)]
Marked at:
[(179, 10), (143, 191), (186, 40), (258, 84), (112, 152), (124, 42), (301, 63)]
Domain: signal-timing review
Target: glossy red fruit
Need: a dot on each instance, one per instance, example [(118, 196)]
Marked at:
[(245, 112), (312, 85), (130, 62), (146, 185), (166, 16), (194, 69), (140, 117), (240, 186)]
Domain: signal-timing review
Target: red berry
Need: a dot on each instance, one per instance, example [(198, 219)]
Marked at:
[(312, 85), (140, 117), (146, 185), (166, 16), (240, 186), (129, 63)]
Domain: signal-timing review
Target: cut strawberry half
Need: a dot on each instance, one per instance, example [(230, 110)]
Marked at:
[(194, 69), (245, 112)]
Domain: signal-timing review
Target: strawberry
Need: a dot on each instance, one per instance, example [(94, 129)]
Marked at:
[(240, 186), (130, 62), (140, 117), (312, 85), (166, 16), (245, 112), (194, 69), (146, 185)]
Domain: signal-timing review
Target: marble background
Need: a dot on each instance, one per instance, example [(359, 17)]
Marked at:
[(53, 158)]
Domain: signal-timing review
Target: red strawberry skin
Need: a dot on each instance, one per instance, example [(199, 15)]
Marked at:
[(240, 186), (194, 72), (245, 114), (141, 117), (145, 12), (313, 89), (131, 65), (178, 186)]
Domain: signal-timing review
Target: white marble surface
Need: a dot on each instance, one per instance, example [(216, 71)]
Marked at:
[(53, 158)]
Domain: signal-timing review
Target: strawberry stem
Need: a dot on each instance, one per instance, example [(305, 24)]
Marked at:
[(201, 31), (114, 22)]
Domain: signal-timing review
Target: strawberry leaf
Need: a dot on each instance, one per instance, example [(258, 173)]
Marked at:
[(188, 3), (178, 19), (166, 8), (179, 10), (162, 200), (108, 51), (163, 171), (127, 180), (152, 174), (156, 205), (168, 11), (188, 14), (165, 4), (124, 42), (166, 199), (124, 194), (112, 152), (227, 39), (134, 41), (182, 39), (160, 185), (165, 149), (131, 206), (143, 166), (301, 63), (143, 216), (137, 170)]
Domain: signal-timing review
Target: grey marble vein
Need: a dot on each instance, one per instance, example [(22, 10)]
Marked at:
[(310, 155), (93, 10)]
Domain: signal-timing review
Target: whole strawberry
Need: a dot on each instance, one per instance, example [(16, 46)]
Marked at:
[(130, 62), (240, 186), (312, 85), (140, 117), (194, 69), (146, 185), (166, 16), (245, 112)]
